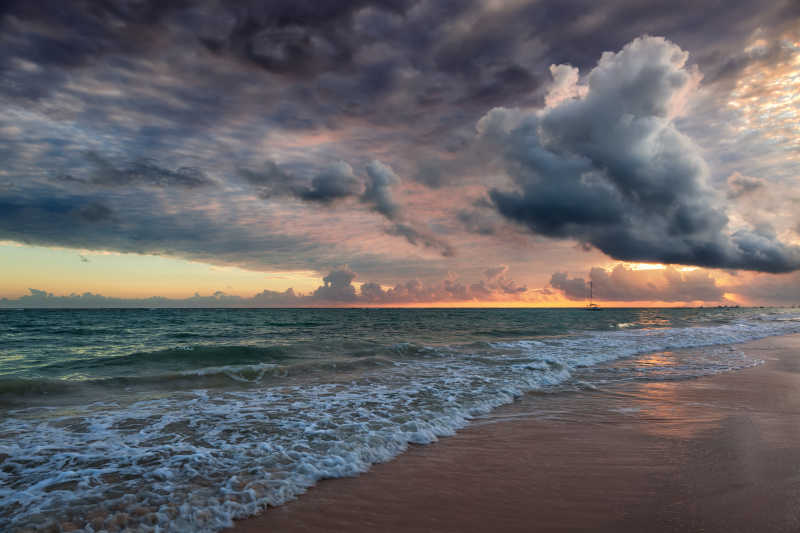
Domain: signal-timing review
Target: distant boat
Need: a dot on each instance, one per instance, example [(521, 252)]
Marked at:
[(591, 306)]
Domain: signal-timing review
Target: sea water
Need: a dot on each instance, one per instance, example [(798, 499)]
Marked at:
[(184, 419)]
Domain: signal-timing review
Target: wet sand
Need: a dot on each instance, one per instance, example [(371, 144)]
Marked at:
[(716, 454)]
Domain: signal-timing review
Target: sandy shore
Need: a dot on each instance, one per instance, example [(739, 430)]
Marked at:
[(712, 454)]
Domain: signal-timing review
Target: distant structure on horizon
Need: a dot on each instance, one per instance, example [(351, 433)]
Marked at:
[(591, 306)]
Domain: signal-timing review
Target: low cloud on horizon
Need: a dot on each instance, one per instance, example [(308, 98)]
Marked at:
[(624, 284), (620, 284), (337, 289)]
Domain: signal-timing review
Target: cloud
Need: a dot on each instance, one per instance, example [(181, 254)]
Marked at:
[(573, 288), (43, 219), (609, 167), (378, 191), (771, 206), (43, 299), (93, 211), (623, 284), (300, 39), (144, 172), (145, 221), (481, 217), (783, 289), (739, 185), (338, 286), (334, 182), (156, 86), (496, 287), (338, 182), (496, 272), (565, 85), (476, 221), (337, 290), (270, 181), (417, 236), (497, 282)]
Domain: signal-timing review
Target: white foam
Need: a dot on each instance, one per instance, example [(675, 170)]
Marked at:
[(231, 454), (194, 461), (244, 373)]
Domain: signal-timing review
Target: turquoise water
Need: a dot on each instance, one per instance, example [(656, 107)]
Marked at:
[(180, 420)]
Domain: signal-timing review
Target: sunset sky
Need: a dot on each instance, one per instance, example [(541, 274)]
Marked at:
[(399, 152)]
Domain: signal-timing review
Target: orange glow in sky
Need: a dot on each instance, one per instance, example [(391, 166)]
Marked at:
[(769, 96)]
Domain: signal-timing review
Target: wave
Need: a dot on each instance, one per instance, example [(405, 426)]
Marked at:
[(509, 332), (194, 366), (190, 357), (206, 377), (24, 387), (194, 461), (180, 357), (299, 324)]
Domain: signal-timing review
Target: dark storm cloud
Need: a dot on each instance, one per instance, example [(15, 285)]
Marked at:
[(54, 220), (338, 182), (212, 86), (431, 67), (141, 172), (94, 212), (143, 222), (270, 181), (464, 52), (623, 284), (378, 192), (298, 40), (335, 182), (47, 37), (378, 195), (290, 37), (612, 170)]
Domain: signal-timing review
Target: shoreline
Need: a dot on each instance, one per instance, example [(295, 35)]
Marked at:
[(717, 453)]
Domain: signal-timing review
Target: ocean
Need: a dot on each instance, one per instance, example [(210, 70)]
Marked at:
[(184, 419)]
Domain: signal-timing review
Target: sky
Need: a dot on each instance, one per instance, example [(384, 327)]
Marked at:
[(399, 153)]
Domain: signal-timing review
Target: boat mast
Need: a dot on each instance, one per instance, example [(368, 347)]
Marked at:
[(590, 292)]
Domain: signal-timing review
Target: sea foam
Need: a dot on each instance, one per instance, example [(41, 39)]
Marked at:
[(194, 460)]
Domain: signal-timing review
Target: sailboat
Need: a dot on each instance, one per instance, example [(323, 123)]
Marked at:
[(591, 306)]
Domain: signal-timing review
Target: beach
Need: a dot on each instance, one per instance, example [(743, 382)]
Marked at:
[(716, 453)]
